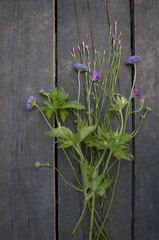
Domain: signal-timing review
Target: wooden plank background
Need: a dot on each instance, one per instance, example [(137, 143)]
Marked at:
[(36, 37)]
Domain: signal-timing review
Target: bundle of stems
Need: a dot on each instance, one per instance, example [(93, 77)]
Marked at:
[(97, 145)]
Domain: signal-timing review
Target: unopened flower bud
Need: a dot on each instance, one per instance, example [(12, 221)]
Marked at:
[(142, 102), (148, 109), (83, 43), (113, 36), (37, 164), (73, 49), (115, 23), (119, 42), (86, 47), (88, 64)]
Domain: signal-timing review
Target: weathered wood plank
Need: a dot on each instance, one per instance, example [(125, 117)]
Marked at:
[(89, 21), (147, 151), (27, 64)]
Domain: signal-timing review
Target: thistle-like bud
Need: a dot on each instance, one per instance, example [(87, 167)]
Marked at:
[(113, 36), (86, 47)]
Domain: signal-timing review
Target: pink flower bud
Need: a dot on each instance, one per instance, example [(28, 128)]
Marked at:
[(73, 49), (115, 23), (113, 36), (86, 47), (119, 42), (83, 43), (88, 64)]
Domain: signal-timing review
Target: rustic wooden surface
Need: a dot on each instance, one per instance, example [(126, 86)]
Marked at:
[(34, 203), (26, 48), (147, 150)]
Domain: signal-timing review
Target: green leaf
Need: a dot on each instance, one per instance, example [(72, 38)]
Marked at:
[(49, 104), (74, 105), (54, 94), (62, 95), (49, 113), (83, 133), (63, 113), (122, 154), (60, 132)]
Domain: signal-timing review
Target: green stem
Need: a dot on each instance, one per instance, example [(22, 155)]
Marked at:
[(110, 201), (100, 160), (83, 211), (89, 204), (92, 216), (79, 87), (108, 159), (131, 94), (142, 118), (69, 184), (44, 117), (121, 115), (72, 167), (57, 120)]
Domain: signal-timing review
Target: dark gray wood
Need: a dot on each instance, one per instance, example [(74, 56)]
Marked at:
[(147, 151), (88, 21), (27, 54)]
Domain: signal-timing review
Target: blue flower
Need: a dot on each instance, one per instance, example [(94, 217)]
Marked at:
[(31, 102), (136, 93), (95, 75), (81, 67), (133, 59)]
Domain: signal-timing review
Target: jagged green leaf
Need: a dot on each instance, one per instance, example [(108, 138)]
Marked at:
[(63, 113), (83, 133)]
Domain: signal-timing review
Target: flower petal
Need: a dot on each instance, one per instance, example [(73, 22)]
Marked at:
[(81, 67), (132, 59)]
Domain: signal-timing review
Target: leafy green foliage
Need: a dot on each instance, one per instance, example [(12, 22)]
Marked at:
[(107, 139), (93, 182), (64, 136), (56, 102), (119, 103)]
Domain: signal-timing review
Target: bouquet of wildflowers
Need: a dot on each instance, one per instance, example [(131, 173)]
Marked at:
[(97, 144)]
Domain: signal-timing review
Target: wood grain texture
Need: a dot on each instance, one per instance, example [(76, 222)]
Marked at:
[(27, 64), (88, 21), (147, 151)]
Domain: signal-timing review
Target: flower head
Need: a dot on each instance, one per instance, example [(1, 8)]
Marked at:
[(132, 59), (31, 102), (136, 93), (86, 47), (95, 75), (81, 67)]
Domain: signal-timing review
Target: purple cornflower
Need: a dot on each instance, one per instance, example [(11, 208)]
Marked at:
[(132, 59), (113, 36), (95, 75), (81, 67), (136, 93), (86, 47), (31, 102)]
